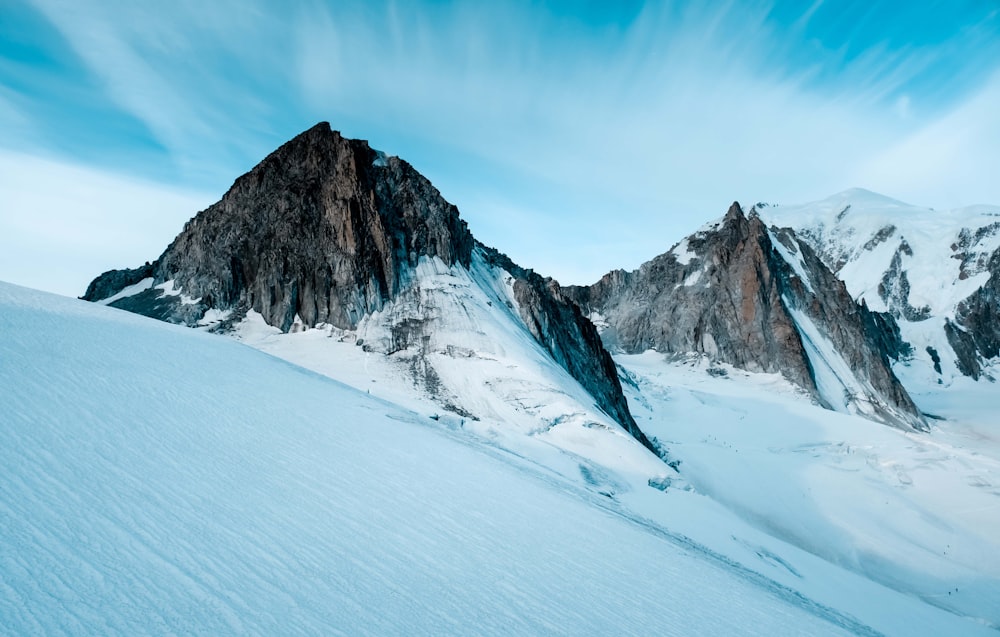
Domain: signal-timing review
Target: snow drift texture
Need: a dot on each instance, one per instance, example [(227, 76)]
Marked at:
[(161, 481), (158, 480)]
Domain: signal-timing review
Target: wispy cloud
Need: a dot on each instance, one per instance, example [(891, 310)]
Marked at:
[(17, 126), (188, 71), (61, 224), (577, 141), (952, 160), (659, 126)]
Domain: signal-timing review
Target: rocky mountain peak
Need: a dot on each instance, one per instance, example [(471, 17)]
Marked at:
[(935, 271), (326, 230), (734, 214), (741, 293), (324, 227)]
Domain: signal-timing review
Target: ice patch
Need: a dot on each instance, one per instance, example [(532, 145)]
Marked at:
[(599, 320), (692, 279), (835, 381), (169, 290), (682, 252), (131, 290), (794, 260), (214, 316)]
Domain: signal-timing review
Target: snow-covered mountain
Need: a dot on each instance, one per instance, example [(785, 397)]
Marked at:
[(936, 271), (346, 262), (755, 297), (326, 232), (154, 479)]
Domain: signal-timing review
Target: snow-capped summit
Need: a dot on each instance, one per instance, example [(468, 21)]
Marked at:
[(865, 197), (936, 271)]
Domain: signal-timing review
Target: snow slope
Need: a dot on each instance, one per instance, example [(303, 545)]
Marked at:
[(154, 479), (861, 231), (473, 364), (918, 512)]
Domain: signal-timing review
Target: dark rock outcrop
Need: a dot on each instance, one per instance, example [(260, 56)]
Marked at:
[(324, 228), (329, 230), (112, 281), (894, 288), (758, 299), (975, 332)]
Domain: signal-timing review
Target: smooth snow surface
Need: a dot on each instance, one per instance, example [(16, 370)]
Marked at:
[(918, 512), (158, 480), (155, 479)]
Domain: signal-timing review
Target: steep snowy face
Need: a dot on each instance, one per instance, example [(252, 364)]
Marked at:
[(937, 272), (327, 231), (740, 293)]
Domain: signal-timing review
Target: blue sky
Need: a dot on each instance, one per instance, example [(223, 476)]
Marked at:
[(575, 136)]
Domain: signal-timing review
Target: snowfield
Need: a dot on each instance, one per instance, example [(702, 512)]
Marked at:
[(917, 512), (159, 480)]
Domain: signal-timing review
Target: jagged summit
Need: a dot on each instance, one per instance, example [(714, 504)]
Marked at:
[(327, 231), (741, 293), (734, 213), (322, 228)]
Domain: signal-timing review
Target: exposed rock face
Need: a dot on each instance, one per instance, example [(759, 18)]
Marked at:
[(894, 288), (323, 227), (975, 333), (329, 230), (760, 300), (112, 281)]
